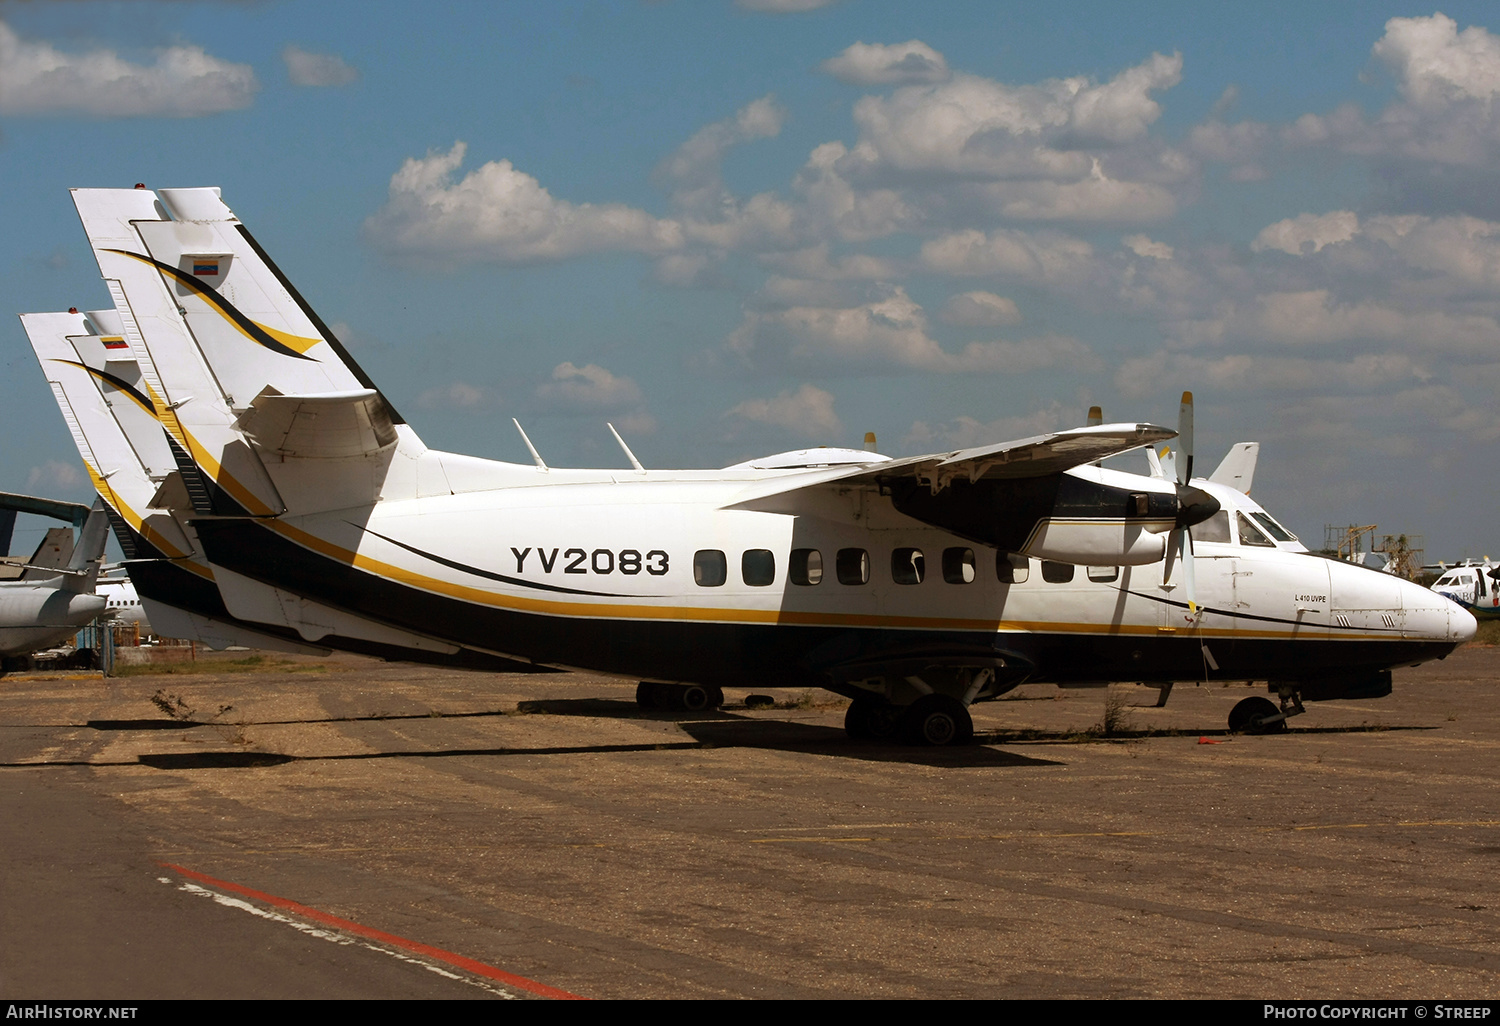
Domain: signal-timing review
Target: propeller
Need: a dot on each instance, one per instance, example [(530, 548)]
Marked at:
[(1194, 505)]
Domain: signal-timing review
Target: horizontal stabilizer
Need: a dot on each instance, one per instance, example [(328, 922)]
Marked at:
[(173, 622), (323, 425)]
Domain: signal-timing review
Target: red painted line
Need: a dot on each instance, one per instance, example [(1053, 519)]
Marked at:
[(426, 950)]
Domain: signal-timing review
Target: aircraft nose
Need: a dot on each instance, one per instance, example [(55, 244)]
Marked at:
[(1462, 624)]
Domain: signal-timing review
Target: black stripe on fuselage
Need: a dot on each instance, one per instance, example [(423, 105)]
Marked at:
[(774, 655), (486, 574), (1241, 615), (163, 580)]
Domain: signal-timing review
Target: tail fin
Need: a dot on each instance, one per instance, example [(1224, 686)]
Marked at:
[(114, 425), (88, 553), (52, 554), (246, 375), (1238, 467), (106, 402)]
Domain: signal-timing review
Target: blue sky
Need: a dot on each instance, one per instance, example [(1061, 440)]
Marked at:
[(733, 229)]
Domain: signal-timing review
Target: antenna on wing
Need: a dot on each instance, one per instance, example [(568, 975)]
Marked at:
[(534, 454), (628, 454)]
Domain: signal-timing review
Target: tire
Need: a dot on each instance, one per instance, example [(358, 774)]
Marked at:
[(1244, 717), (645, 695), (937, 721), (857, 720)]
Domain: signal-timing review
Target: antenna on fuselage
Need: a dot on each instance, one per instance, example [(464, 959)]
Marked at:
[(534, 454), (628, 454)]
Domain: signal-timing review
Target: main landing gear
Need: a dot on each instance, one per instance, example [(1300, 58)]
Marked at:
[(933, 720), (1261, 716), (678, 697)]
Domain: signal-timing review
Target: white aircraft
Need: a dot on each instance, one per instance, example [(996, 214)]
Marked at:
[(98, 387), (1473, 584), (121, 602), (914, 586), (47, 605)]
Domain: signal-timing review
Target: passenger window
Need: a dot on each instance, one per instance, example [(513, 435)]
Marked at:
[(1056, 573), (1250, 534), (758, 567), (1012, 567), (852, 566), (1214, 529), (958, 566), (1104, 574), (710, 568), (806, 567), (908, 566)]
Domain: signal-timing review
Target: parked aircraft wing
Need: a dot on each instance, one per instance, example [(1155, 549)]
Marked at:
[(1039, 456), (73, 512), (1035, 457)]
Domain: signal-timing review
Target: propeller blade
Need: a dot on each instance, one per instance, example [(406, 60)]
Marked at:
[(1185, 439), (1189, 585), (1096, 416)]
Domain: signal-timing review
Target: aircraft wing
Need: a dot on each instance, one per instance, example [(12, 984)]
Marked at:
[(1038, 456), (1015, 495)]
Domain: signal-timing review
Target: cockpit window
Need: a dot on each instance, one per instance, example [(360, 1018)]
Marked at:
[(1214, 529), (1274, 529), (1250, 534)]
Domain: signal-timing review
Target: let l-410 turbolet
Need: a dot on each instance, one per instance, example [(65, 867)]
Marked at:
[(914, 586)]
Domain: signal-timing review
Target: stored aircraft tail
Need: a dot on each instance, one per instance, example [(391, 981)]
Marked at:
[(255, 393)]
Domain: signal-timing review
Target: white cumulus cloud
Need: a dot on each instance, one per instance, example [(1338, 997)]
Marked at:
[(304, 68), (589, 387), (1436, 63), (869, 64), (807, 412), (497, 212), (1307, 233), (979, 310), (183, 81)]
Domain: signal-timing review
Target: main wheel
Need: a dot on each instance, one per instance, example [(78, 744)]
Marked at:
[(937, 721), (857, 720), (1245, 717), (645, 695), (692, 698)]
